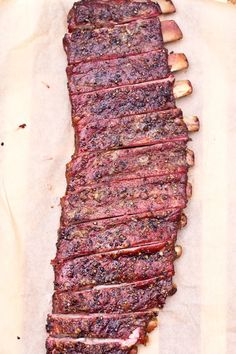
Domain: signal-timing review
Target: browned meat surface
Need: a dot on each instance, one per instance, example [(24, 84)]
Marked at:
[(117, 233), (117, 165), (123, 198), (116, 267), (136, 130), (98, 13), (97, 75), (73, 346), (114, 42), (122, 101), (119, 326), (127, 179), (139, 296)]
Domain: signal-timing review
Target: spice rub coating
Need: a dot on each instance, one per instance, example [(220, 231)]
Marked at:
[(97, 75), (117, 233), (72, 346), (117, 165), (115, 42), (119, 326), (115, 267), (124, 198), (139, 296), (129, 131), (123, 101), (99, 13)]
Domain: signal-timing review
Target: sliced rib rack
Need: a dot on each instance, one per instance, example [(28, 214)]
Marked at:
[(127, 180)]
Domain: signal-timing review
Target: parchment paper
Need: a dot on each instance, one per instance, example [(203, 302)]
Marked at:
[(200, 318)]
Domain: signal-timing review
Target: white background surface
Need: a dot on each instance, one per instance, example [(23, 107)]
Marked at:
[(200, 318)]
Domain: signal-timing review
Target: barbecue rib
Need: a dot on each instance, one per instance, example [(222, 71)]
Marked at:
[(134, 297), (127, 180), (117, 326)]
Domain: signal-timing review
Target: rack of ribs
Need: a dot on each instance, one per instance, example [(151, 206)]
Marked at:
[(127, 181)]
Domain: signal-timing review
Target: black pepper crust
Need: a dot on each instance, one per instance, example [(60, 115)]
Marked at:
[(123, 101), (126, 298), (117, 233), (70, 346), (97, 75), (137, 130), (124, 198), (118, 326), (117, 165), (84, 45), (99, 13), (115, 267)]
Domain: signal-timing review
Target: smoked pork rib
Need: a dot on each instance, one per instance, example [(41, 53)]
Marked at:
[(138, 296), (98, 13), (117, 165), (93, 76), (117, 233), (127, 180), (113, 42), (81, 346), (129, 131), (119, 326), (125, 100), (125, 197), (115, 267)]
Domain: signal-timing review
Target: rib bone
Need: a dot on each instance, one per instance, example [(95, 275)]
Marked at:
[(167, 7), (178, 251), (192, 123), (170, 31), (177, 61), (190, 158), (182, 88)]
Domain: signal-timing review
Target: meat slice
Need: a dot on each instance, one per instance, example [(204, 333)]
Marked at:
[(117, 165), (79, 346), (117, 233), (98, 13), (93, 76), (119, 326), (136, 130), (115, 267), (123, 101), (114, 42), (124, 198), (125, 298)]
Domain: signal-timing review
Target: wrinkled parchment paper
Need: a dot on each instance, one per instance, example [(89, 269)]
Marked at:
[(201, 317)]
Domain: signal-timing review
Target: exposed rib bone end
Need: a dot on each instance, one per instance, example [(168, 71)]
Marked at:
[(152, 325), (190, 158), (178, 251), (189, 190), (192, 123), (183, 221), (177, 61), (182, 88), (167, 6), (171, 31)]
